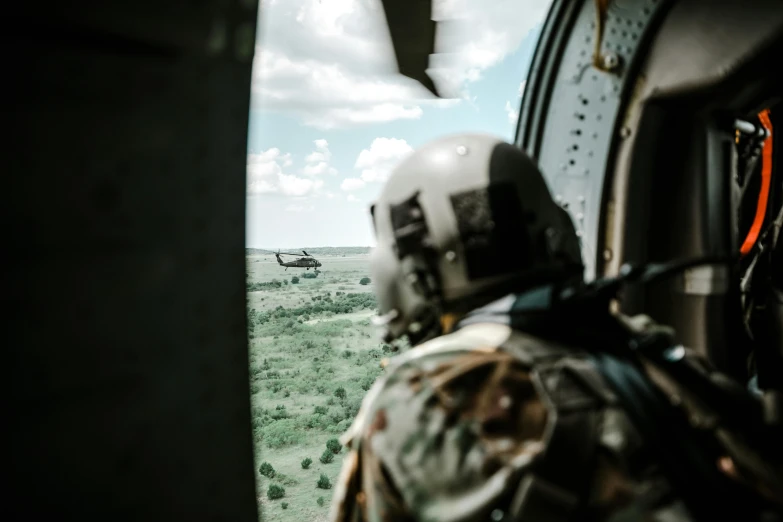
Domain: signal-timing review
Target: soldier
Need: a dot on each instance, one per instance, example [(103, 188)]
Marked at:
[(516, 401)]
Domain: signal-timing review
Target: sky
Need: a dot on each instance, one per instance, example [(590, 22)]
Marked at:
[(330, 117)]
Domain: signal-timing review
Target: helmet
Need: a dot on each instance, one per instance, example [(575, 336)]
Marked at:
[(464, 220)]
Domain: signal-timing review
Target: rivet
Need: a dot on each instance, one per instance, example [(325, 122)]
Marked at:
[(505, 402), (674, 354), (462, 150), (625, 132), (607, 254), (610, 61), (580, 216), (558, 198), (451, 256)]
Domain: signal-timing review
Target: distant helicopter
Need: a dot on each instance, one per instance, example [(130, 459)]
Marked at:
[(307, 262)]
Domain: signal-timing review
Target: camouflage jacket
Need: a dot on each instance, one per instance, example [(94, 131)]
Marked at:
[(462, 428)]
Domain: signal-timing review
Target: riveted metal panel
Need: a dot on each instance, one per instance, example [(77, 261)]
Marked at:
[(580, 127)]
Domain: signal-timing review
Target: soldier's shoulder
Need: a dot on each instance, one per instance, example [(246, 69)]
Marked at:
[(394, 387), (484, 337)]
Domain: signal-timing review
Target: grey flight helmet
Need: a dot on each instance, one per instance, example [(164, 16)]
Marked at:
[(464, 220)]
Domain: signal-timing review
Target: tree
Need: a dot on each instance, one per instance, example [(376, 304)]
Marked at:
[(294, 280), (284, 505), (275, 492), (306, 463), (340, 393), (365, 281), (267, 470), (323, 482)]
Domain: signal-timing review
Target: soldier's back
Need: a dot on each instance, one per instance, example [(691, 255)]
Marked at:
[(490, 424)]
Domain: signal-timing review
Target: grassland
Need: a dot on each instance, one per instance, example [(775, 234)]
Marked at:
[(313, 355)]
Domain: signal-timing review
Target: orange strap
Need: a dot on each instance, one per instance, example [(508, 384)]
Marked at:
[(766, 181)]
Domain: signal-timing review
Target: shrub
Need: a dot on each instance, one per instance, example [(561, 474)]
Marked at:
[(294, 280), (284, 505), (326, 457), (306, 463), (275, 492), (365, 281), (340, 393), (320, 501), (334, 446), (321, 410), (323, 482), (267, 470), (281, 433)]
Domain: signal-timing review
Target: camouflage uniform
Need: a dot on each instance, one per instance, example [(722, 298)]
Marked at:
[(487, 422), (460, 427)]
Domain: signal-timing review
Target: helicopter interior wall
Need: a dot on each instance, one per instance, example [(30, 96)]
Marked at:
[(709, 60), (125, 336)]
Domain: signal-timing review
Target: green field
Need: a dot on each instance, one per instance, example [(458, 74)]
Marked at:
[(313, 355)]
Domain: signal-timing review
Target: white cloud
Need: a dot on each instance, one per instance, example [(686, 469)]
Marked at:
[(265, 175), (331, 62), (512, 112), (380, 158), (353, 198), (350, 184), (317, 162)]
